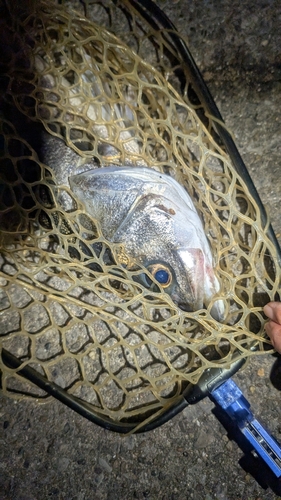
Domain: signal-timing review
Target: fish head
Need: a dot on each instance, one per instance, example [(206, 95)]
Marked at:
[(175, 251), (155, 221)]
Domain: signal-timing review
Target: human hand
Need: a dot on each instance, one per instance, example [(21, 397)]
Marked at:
[(273, 328)]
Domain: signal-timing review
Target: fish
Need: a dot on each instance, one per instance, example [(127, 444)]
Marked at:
[(149, 213), (155, 220)]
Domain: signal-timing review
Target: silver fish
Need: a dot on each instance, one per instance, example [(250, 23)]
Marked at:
[(155, 220), (149, 213)]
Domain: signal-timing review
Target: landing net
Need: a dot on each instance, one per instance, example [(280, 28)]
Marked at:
[(70, 308)]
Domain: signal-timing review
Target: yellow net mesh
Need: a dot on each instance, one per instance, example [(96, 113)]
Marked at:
[(69, 308)]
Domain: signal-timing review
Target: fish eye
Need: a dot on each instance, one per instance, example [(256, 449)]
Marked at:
[(162, 274)]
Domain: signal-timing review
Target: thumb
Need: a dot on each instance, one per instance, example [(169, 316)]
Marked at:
[(273, 311)]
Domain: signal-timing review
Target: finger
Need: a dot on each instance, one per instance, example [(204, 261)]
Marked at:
[(273, 311), (273, 330)]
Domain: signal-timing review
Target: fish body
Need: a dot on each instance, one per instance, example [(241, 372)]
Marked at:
[(155, 220)]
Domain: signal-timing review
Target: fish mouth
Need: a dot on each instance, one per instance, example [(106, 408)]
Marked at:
[(203, 284)]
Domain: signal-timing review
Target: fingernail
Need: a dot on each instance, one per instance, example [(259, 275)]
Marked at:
[(268, 311)]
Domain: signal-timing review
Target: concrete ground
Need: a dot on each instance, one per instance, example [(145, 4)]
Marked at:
[(48, 451)]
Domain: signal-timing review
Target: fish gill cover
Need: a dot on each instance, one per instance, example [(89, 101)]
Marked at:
[(86, 94)]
